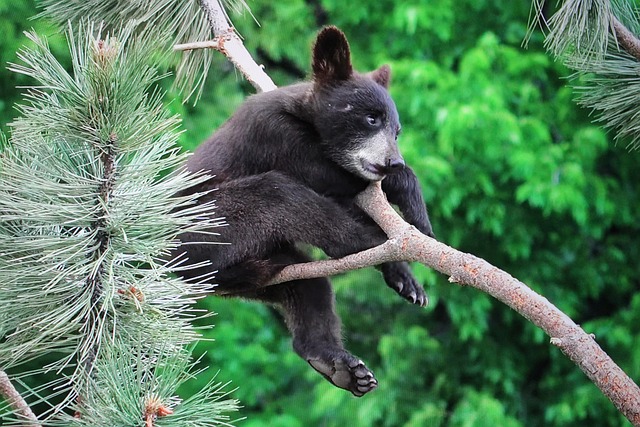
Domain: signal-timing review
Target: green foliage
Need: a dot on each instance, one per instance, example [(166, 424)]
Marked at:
[(465, 413), (13, 22)]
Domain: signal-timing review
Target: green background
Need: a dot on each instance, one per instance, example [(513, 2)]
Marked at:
[(512, 171)]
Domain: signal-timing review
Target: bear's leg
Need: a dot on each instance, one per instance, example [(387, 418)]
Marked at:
[(267, 211), (308, 309)]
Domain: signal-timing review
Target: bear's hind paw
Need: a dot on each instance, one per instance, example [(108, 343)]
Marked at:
[(346, 372)]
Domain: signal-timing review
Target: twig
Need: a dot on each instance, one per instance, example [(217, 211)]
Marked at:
[(210, 44), (408, 244), (16, 401), (629, 42)]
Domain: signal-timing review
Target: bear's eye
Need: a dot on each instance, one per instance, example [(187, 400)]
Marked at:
[(373, 120)]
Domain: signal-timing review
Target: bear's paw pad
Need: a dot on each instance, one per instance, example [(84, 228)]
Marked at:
[(348, 373)]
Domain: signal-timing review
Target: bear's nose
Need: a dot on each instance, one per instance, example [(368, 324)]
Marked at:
[(395, 164)]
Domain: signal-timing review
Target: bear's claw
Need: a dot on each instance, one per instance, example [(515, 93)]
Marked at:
[(398, 277)]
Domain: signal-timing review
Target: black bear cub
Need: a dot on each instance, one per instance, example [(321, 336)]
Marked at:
[(286, 168)]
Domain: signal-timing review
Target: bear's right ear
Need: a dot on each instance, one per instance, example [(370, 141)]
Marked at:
[(381, 76), (331, 57)]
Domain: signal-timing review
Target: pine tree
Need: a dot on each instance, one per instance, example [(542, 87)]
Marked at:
[(598, 39), (88, 213)]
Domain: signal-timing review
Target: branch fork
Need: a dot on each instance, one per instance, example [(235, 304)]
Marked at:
[(227, 41), (217, 43)]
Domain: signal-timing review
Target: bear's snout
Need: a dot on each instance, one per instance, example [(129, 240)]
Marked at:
[(395, 164)]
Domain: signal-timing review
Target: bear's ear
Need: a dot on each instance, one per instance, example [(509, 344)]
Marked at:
[(382, 76), (331, 57)]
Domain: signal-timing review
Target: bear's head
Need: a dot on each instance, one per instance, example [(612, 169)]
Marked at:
[(353, 113)]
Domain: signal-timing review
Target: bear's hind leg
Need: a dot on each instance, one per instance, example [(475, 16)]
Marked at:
[(271, 209), (308, 309)]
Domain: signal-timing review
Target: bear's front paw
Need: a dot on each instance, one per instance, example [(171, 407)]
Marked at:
[(347, 372), (398, 276)]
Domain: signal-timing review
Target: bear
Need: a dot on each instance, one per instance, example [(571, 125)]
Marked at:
[(284, 171)]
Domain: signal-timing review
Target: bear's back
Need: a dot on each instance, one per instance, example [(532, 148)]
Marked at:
[(274, 131)]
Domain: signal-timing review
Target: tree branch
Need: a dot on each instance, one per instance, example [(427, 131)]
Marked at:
[(229, 44), (406, 243), (626, 39), (15, 400)]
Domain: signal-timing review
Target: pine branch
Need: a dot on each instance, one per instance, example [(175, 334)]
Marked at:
[(85, 283), (17, 403), (589, 36), (175, 23), (172, 21), (130, 386), (626, 39), (406, 243)]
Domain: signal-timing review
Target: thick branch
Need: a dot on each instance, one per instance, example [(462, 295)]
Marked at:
[(17, 403), (626, 39), (229, 43), (407, 244)]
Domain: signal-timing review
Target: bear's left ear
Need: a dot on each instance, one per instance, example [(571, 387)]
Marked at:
[(382, 76), (331, 57)]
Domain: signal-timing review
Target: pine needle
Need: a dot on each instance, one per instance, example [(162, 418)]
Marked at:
[(88, 212), (582, 35), (179, 22)]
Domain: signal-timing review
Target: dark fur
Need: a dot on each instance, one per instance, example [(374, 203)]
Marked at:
[(285, 174)]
